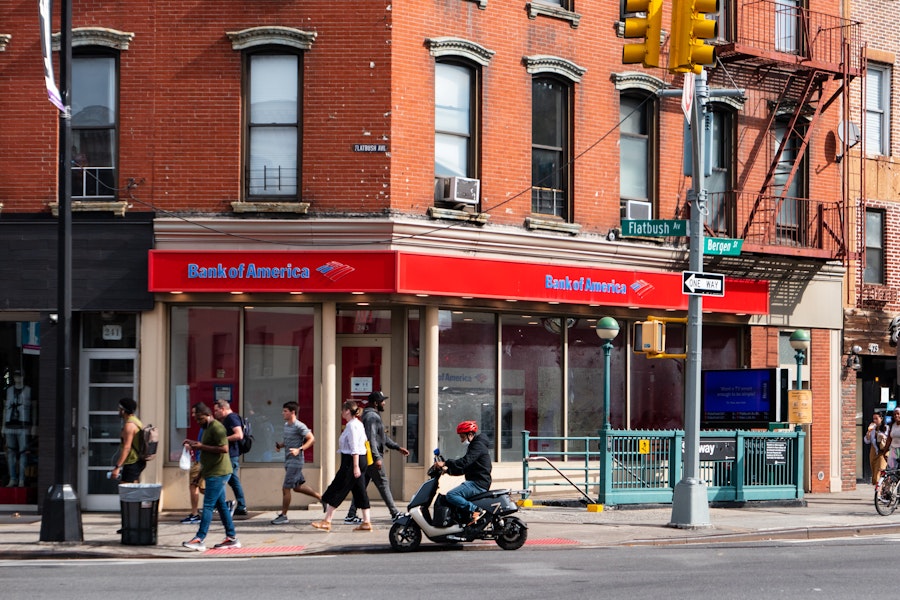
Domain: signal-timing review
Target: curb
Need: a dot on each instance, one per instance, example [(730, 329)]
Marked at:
[(800, 533)]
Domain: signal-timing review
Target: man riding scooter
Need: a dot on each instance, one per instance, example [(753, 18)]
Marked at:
[(475, 465)]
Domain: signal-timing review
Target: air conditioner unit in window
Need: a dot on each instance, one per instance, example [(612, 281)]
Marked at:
[(638, 210), (458, 190)]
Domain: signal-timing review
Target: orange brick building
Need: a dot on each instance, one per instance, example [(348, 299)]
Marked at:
[(430, 197)]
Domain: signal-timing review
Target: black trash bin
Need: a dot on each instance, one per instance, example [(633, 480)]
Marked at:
[(139, 504)]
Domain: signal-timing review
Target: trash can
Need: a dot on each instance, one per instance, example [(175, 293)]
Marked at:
[(139, 504)]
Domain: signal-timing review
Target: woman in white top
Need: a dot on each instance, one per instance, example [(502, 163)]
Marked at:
[(876, 435), (892, 446), (349, 478)]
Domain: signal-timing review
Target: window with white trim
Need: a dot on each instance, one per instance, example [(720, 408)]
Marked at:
[(878, 102), (95, 99)]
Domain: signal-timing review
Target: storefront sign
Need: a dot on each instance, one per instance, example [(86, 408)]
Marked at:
[(424, 274)]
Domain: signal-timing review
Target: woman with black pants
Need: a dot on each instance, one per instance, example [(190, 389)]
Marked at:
[(349, 478)]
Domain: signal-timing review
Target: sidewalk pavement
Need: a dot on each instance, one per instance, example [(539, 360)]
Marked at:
[(817, 516)]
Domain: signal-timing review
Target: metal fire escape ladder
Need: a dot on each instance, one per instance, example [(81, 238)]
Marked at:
[(801, 91)]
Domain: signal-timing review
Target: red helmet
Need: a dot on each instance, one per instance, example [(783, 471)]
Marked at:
[(467, 427)]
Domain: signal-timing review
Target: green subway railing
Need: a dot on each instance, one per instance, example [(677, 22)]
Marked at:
[(644, 466)]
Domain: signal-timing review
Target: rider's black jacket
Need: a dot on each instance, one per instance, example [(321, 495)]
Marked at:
[(475, 464)]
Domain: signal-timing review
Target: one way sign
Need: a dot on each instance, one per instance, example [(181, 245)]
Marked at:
[(702, 284)]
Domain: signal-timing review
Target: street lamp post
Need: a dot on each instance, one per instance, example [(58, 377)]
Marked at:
[(800, 343), (607, 329)]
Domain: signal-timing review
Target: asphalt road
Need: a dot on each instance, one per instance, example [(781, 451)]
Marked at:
[(825, 570)]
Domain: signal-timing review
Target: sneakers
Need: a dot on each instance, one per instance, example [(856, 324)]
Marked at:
[(476, 516), (352, 520), (241, 512), (279, 520), (396, 516), (195, 544), (190, 520), (229, 542), (231, 505)]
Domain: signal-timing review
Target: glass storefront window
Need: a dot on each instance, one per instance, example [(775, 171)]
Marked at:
[(585, 375), (279, 347), (467, 376), (531, 397), (204, 365), (277, 357)]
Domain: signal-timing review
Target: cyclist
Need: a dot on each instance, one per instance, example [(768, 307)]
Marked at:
[(892, 445)]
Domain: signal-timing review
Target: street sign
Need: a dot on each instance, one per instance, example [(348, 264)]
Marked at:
[(722, 246), (654, 227), (702, 284)]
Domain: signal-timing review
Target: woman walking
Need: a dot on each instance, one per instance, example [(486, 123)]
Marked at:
[(349, 478), (876, 436)]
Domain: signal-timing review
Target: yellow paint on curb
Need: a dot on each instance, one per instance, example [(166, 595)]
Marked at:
[(527, 503), (595, 508)]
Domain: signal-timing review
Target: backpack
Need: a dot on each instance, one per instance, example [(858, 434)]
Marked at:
[(149, 442), (245, 443)]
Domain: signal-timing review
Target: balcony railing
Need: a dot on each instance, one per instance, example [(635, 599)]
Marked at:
[(782, 30), (799, 226)]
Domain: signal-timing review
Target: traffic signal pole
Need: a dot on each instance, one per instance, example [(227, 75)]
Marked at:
[(690, 502)]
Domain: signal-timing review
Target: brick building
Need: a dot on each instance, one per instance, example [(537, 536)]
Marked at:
[(281, 201), (870, 371)]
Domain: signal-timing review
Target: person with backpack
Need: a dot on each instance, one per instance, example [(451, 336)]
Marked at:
[(129, 463), (234, 426), (378, 441)]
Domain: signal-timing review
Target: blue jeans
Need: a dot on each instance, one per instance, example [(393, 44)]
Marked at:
[(459, 496), (235, 484), (215, 498)]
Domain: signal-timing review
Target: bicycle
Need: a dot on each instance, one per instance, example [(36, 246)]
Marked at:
[(887, 494)]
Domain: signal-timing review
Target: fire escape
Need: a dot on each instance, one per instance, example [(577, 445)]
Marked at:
[(795, 64)]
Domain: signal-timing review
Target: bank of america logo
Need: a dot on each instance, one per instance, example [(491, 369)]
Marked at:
[(334, 270), (641, 287)]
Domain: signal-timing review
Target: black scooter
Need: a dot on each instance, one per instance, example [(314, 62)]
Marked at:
[(444, 524)]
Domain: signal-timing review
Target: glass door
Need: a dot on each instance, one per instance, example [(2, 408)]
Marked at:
[(106, 377), (365, 368)]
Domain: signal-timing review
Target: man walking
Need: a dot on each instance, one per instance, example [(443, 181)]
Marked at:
[(378, 440), (234, 427), (297, 438), (215, 468)]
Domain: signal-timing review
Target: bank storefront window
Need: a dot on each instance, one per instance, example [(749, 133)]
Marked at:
[(256, 358), (467, 376)]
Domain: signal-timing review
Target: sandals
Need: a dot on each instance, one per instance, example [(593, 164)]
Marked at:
[(323, 525), (364, 526)]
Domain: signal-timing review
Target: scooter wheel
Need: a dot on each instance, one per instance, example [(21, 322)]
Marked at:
[(405, 537), (513, 534)]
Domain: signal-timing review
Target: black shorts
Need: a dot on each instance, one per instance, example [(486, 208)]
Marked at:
[(132, 473)]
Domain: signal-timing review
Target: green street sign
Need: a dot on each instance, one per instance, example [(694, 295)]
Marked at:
[(653, 227), (722, 246)]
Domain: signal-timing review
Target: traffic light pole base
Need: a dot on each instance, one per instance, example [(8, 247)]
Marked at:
[(690, 505)]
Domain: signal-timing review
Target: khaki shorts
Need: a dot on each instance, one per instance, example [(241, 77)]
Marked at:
[(196, 479)]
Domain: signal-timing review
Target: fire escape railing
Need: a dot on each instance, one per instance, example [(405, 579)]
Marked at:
[(793, 224)]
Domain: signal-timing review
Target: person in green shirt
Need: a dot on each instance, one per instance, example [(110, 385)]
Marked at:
[(215, 468)]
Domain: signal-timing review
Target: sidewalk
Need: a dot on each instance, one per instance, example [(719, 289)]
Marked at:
[(844, 514)]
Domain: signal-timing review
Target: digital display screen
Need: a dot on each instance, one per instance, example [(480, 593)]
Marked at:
[(749, 397)]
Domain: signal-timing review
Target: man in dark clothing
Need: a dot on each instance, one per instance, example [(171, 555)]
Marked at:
[(475, 464), (378, 440), (234, 427)]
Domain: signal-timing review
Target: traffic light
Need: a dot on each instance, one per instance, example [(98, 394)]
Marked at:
[(688, 52), (648, 27)]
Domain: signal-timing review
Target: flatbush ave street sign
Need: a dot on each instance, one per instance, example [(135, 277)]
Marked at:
[(653, 227)]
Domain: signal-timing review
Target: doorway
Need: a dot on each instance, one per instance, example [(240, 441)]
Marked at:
[(106, 376), (364, 367)]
